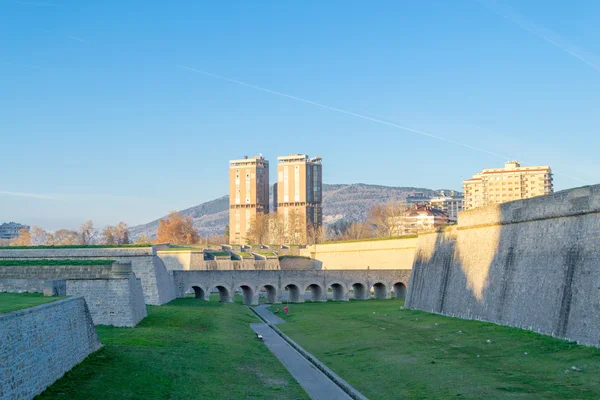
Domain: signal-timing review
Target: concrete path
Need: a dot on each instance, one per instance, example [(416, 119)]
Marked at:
[(315, 383), (268, 315)]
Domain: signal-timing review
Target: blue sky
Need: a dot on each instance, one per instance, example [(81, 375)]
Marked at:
[(103, 116)]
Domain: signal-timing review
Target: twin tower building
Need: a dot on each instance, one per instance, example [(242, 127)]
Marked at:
[(297, 194)]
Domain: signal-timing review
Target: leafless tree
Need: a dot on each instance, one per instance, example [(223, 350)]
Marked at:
[(87, 233), (387, 219), (357, 230), (63, 237), (39, 236)]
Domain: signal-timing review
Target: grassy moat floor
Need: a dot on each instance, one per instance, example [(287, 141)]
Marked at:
[(17, 301), (187, 349), (388, 353)]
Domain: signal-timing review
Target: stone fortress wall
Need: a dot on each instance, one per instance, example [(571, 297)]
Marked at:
[(113, 294), (374, 254), (39, 344), (156, 282), (397, 253), (49, 287), (532, 263)]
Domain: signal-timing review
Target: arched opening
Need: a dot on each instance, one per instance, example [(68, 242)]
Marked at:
[(224, 295), (293, 294), (316, 294), (271, 294), (399, 290), (360, 291), (248, 295), (198, 292), (338, 292), (379, 291)]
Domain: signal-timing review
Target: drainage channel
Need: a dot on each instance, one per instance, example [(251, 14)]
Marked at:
[(315, 377)]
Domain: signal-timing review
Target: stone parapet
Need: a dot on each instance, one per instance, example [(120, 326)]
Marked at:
[(532, 264), (39, 344)]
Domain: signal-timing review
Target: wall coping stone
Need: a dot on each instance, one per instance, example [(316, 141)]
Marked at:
[(29, 310)]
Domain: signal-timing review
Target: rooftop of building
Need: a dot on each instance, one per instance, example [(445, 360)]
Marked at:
[(299, 158), (249, 160), (427, 210)]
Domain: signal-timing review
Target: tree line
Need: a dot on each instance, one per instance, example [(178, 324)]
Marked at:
[(384, 220), (87, 234)]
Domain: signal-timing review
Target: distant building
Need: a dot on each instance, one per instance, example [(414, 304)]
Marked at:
[(299, 189), (418, 218), (422, 218), (451, 205), (418, 198), (10, 230), (513, 182), (248, 195)]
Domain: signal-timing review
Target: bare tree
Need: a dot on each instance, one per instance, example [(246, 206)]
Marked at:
[(63, 237), (357, 230), (122, 231), (87, 233), (314, 234), (258, 232), (109, 235), (39, 237), (388, 219), (24, 238), (143, 239)]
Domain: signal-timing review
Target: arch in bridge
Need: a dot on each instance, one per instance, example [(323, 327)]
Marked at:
[(198, 292), (380, 291), (271, 293), (360, 291), (224, 295), (399, 290), (294, 295), (248, 295), (338, 292), (316, 292)]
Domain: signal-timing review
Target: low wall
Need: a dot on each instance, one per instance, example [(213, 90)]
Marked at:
[(297, 263), (117, 302), (194, 261), (55, 287), (531, 263), (374, 254), (39, 344), (156, 281), (55, 271)]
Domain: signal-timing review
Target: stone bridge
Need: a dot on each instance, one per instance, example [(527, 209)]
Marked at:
[(344, 284)]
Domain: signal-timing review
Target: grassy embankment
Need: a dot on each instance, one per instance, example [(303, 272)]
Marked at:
[(417, 355), (53, 261), (187, 349), (17, 301)]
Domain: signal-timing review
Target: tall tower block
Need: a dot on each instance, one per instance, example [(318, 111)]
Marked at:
[(248, 195), (299, 193)]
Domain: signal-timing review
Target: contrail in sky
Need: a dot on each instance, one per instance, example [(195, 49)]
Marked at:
[(546, 34), (379, 121), (339, 110), (31, 195)]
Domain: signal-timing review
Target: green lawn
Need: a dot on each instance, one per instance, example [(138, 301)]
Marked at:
[(187, 349), (17, 301), (417, 355)]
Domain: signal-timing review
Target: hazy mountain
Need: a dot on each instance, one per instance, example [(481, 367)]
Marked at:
[(349, 202)]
